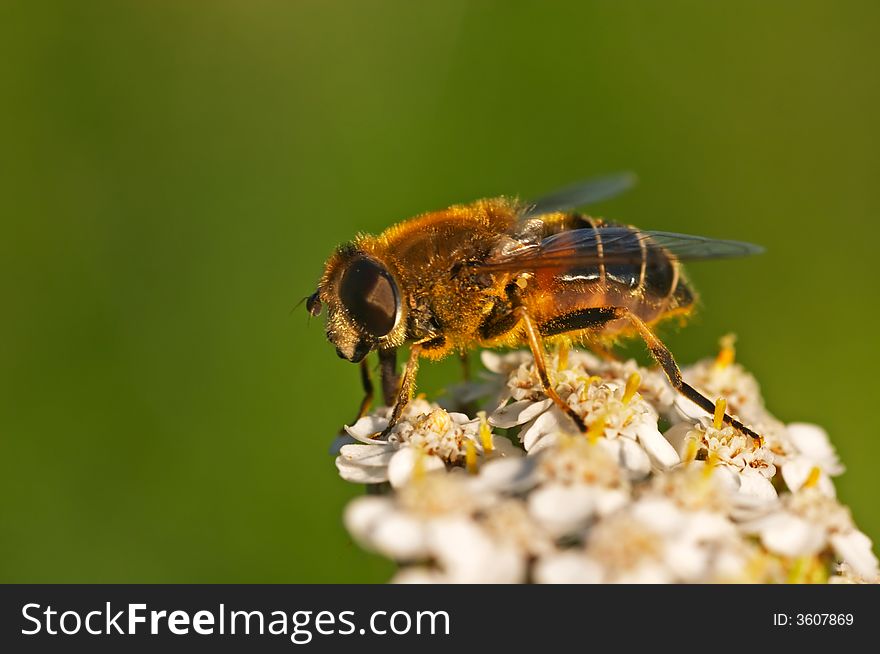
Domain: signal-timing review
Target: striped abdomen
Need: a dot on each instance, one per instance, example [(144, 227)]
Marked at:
[(604, 264)]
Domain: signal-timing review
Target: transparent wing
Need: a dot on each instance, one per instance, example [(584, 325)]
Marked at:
[(582, 193), (615, 245)]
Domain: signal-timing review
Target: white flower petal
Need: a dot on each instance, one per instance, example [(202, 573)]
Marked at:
[(403, 462), (504, 447), (855, 548), (687, 559), (725, 476), (508, 474), (518, 413), (357, 474), (547, 423), (366, 427), (705, 526), (418, 575), (610, 500), (826, 486), (629, 455), (469, 555), (492, 361), (362, 514), (400, 537), (659, 514), (367, 455), (748, 509), (662, 454), (676, 435), (504, 363), (729, 565), (797, 469), (789, 535), (795, 472), (364, 464), (563, 510), (812, 442), (646, 573), (754, 484), (546, 442), (568, 568), (689, 410)]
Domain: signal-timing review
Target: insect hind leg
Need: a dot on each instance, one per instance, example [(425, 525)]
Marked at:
[(595, 317), (664, 357), (590, 318)]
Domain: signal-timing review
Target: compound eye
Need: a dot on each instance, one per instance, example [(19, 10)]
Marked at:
[(370, 296)]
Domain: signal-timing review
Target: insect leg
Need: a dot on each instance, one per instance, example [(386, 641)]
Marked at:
[(367, 384), (592, 318), (390, 378), (496, 325), (407, 385), (664, 357), (465, 365), (536, 344)]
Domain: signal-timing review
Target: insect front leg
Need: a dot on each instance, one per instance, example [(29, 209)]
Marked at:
[(390, 377), (593, 318), (405, 388)]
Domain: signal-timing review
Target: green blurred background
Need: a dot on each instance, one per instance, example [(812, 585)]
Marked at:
[(174, 174)]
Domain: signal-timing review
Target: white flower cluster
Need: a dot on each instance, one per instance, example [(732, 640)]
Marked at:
[(654, 491)]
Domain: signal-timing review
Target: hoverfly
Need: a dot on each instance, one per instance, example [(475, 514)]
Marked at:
[(499, 273)]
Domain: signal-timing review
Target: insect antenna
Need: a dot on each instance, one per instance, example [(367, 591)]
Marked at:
[(313, 304)]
